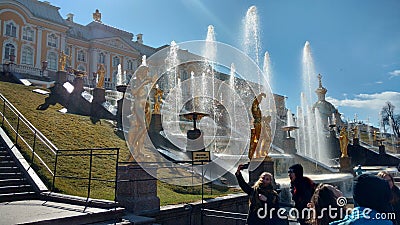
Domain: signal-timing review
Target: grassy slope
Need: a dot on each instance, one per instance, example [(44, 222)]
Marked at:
[(68, 131)]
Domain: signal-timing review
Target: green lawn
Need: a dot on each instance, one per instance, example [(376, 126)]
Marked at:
[(68, 131)]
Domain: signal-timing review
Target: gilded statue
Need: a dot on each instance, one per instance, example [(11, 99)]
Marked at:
[(141, 111), (157, 100), (355, 132), (265, 137), (62, 61), (344, 142), (257, 117), (101, 71)]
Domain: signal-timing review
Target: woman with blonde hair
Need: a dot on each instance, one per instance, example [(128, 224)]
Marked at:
[(262, 196)]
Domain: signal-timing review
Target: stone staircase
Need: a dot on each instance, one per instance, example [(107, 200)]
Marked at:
[(13, 183)]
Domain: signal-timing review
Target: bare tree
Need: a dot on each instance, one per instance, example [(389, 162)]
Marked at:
[(390, 119)]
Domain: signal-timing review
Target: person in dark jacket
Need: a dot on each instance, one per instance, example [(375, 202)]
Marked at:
[(262, 198), (302, 188), (371, 197)]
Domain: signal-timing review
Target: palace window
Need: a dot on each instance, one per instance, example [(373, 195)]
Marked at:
[(52, 61), (28, 34), (81, 68), (81, 56), (27, 56), (102, 58), (52, 40), (11, 30), (9, 50), (66, 50), (129, 65), (115, 61)]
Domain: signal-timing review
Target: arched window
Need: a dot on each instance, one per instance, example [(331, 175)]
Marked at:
[(52, 40), (52, 61), (11, 29), (9, 50), (116, 61), (27, 56), (101, 58), (28, 34), (81, 56)]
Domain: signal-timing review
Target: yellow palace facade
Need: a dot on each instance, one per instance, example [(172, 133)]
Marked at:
[(34, 35)]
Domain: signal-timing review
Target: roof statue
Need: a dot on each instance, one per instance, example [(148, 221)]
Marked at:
[(97, 16)]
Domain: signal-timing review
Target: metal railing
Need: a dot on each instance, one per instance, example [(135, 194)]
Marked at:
[(91, 154), (26, 136), (42, 153)]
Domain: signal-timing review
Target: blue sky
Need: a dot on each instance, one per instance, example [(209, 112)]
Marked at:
[(355, 43)]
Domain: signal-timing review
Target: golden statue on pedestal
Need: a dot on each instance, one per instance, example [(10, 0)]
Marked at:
[(101, 71), (62, 61), (344, 142), (140, 111)]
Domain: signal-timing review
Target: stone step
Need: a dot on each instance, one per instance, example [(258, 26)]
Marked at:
[(17, 196), (11, 175), (4, 153), (7, 163), (6, 158), (13, 181), (9, 169), (16, 188)]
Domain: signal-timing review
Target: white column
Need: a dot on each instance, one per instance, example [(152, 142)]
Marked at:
[(39, 47), (62, 42), (73, 54)]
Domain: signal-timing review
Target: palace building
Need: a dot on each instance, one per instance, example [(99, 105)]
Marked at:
[(34, 35)]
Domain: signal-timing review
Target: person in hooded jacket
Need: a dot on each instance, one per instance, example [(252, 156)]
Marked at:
[(302, 189), (261, 196), (371, 197)]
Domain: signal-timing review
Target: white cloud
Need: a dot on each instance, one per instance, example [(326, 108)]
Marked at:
[(394, 73), (368, 101)]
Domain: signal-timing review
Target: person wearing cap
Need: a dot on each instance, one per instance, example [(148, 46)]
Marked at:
[(371, 197), (302, 189)]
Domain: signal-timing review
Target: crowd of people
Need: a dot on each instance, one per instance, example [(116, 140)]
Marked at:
[(376, 200)]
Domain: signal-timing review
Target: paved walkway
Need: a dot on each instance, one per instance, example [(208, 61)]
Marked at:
[(31, 211)]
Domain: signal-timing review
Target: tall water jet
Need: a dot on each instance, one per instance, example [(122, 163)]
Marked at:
[(251, 42), (210, 51), (267, 68), (172, 86), (309, 83)]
